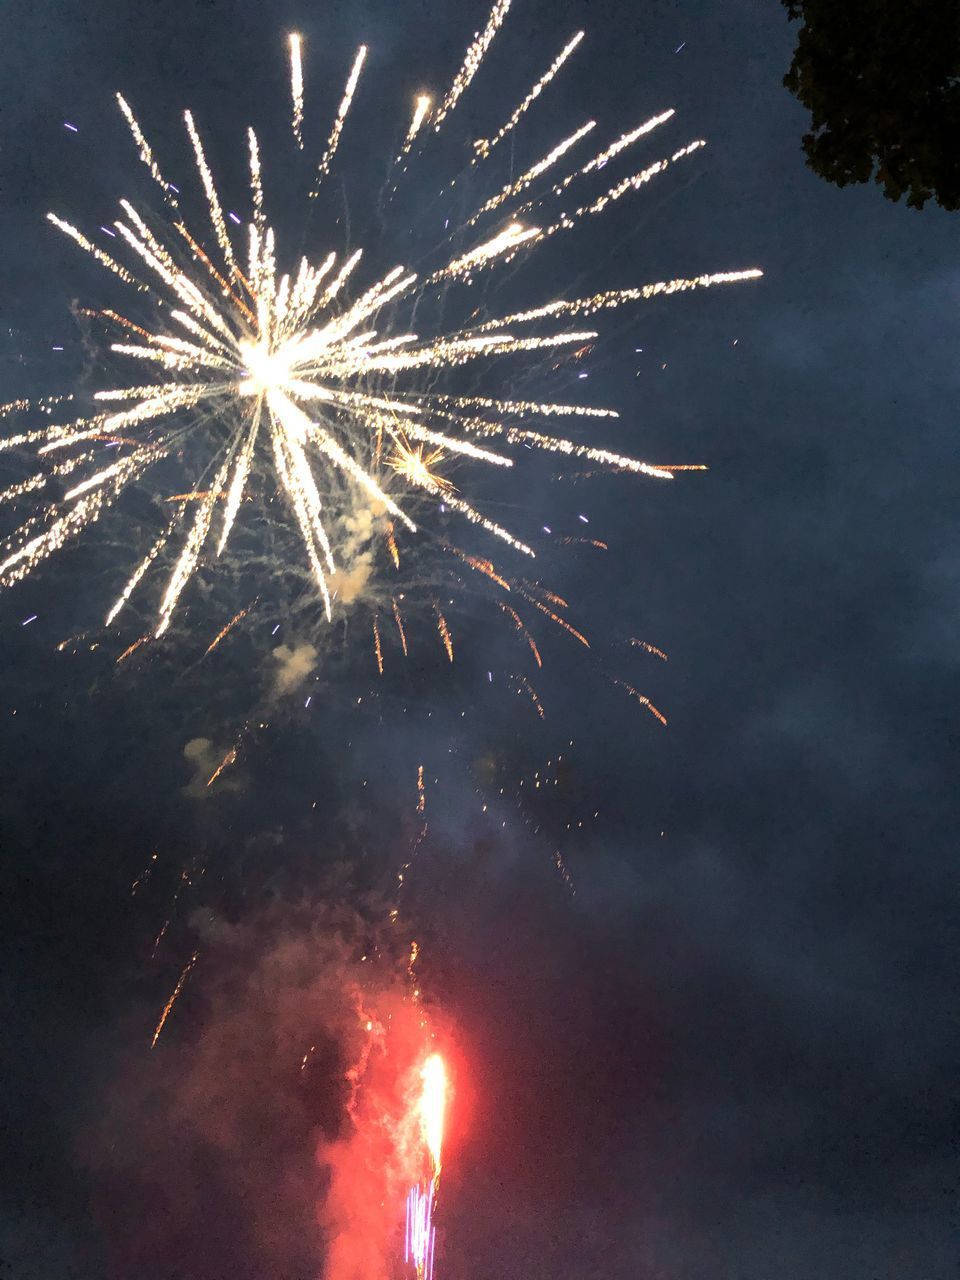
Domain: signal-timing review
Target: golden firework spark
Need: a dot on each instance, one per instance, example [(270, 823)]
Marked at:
[(174, 997), (229, 759), (421, 800), (444, 632), (296, 88), (377, 650), (225, 630), (417, 467), (312, 380)]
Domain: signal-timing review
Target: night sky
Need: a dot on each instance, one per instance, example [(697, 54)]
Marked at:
[(732, 1053)]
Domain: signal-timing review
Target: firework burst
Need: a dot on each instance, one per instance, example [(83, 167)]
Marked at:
[(309, 380)]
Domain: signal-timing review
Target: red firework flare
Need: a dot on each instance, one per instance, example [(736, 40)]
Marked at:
[(392, 1157)]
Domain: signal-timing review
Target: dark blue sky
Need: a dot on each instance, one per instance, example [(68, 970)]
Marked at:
[(732, 1053)]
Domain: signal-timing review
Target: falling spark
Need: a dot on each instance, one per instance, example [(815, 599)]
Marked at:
[(173, 998), (525, 685), (225, 763), (518, 623), (483, 145), (514, 188), (445, 635), (334, 140), (421, 790), (392, 546), (132, 649), (399, 621), (145, 874), (225, 631), (376, 646), (641, 698), (650, 648), (471, 62), (296, 88), (555, 618), (565, 875), (421, 110), (486, 567), (584, 542)]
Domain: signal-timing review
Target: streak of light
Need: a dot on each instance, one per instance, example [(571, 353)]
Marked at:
[(145, 874), (525, 685), (333, 141), (175, 995), (641, 698), (444, 631), (225, 763), (560, 622), (132, 649), (421, 109), (484, 146), (650, 648), (399, 621), (471, 62), (296, 87), (518, 623), (376, 646), (565, 875), (225, 630)]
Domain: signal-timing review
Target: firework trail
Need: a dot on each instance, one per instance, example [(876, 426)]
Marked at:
[(420, 1235), (308, 380)]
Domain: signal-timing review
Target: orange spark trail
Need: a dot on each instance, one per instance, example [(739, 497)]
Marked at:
[(584, 542), (445, 634), (225, 631), (650, 648), (523, 631), (561, 622), (486, 567), (403, 634), (225, 763), (376, 646), (131, 649), (174, 997), (528, 688), (641, 698)]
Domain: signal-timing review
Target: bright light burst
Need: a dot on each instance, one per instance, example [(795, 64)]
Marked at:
[(313, 380), (420, 1238)]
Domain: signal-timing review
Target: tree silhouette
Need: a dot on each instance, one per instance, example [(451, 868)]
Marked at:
[(881, 79)]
